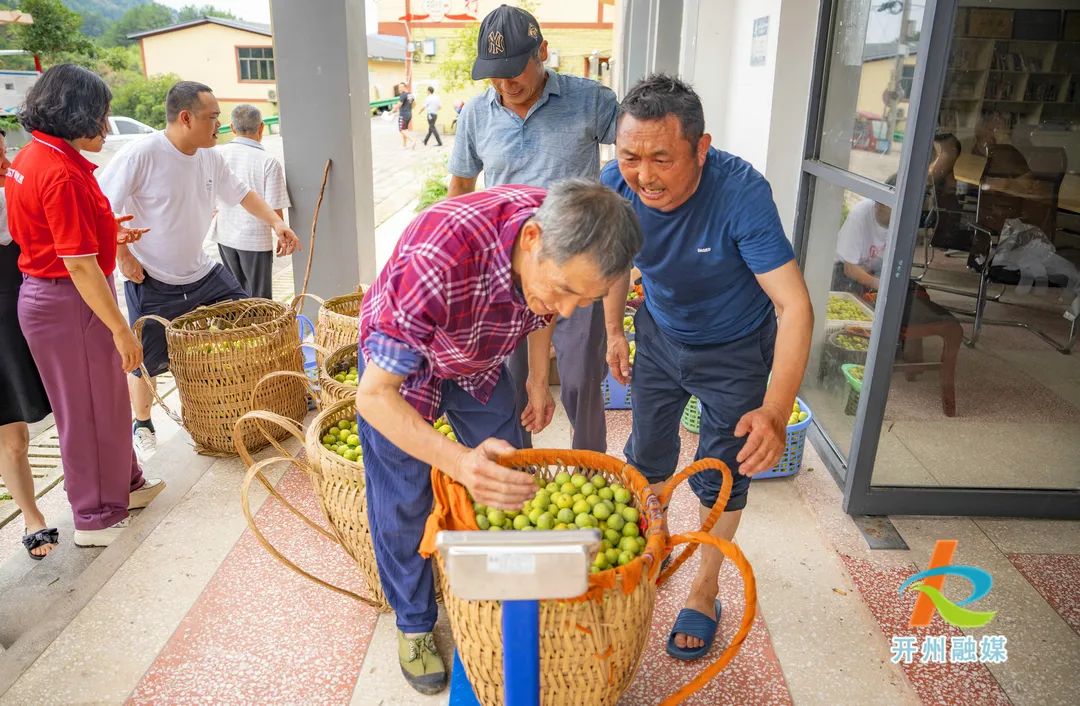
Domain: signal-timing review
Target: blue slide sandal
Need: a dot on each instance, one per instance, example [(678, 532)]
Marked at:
[(696, 624)]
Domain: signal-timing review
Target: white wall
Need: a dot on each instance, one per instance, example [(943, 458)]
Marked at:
[(796, 41), (756, 112), (737, 97)]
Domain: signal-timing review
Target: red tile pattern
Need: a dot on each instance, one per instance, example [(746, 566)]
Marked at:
[(754, 676), (1057, 578), (260, 633), (934, 683)]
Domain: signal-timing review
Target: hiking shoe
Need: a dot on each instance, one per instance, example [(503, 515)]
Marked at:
[(145, 442), (421, 664)]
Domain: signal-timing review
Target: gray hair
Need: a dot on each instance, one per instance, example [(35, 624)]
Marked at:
[(246, 119), (580, 216)]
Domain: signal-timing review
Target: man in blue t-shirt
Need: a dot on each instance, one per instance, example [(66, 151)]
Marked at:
[(725, 306)]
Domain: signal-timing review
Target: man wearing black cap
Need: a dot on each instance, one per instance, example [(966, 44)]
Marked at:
[(536, 127)]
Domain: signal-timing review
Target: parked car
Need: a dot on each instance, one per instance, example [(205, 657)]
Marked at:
[(123, 130)]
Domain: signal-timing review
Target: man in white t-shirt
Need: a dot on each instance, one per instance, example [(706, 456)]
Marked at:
[(432, 105), (245, 242), (861, 245), (170, 181)]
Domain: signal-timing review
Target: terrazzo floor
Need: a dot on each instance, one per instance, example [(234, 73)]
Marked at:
[(237, 627)]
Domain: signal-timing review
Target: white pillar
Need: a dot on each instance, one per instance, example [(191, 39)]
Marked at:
[(320, 52)]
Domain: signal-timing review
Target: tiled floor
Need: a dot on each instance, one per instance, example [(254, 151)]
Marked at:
[(200, 613)]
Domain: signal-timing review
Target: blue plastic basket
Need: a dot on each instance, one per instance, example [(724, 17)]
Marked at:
[(791, 461), (616, 395), (307, 329)]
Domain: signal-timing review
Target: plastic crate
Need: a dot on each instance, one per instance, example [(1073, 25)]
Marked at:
[(616, 395), (691, 416), (833, 324), (854, 389), (791, 461)]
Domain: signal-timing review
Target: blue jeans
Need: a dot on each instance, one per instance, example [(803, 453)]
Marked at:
[(399, 497), (729, 379)]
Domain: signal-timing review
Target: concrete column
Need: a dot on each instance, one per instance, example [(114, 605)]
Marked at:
[(320, 52), (650, 40)]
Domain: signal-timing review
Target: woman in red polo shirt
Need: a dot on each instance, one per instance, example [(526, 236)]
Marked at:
[(82, 345)]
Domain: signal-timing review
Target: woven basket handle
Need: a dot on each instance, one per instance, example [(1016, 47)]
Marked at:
[(262, 415), (286, 374), (137, 328), (313, 346), (295, 305), (256, 471), (705, 464), (732, 552)]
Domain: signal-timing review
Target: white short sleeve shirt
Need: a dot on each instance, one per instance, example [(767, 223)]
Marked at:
[(174, 195), (234, 226), (862, 240)]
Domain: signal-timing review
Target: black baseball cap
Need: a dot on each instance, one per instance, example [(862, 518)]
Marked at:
[(508, 37)]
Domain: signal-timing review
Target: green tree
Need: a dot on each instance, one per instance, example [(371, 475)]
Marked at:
[(94, 24), (195, 12), (143, 98), (138, 19), (55, 31), (456, 69)]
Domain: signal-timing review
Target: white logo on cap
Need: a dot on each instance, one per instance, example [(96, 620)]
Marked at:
[(495, 43), (533, 31)]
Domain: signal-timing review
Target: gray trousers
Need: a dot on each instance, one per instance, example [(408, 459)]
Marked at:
[(580, 354), (252, 269)]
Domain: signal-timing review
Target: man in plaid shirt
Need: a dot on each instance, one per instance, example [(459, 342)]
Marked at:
[(470, 278)]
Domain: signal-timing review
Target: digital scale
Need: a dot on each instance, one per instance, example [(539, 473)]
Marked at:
[(520, 569)]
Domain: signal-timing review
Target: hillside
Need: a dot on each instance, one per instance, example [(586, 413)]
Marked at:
[(111, 10)]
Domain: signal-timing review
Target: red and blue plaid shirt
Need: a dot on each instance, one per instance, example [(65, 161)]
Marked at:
[(445, 306)]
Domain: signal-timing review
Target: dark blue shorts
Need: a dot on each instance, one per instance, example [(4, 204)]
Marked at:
[(728, 378), (168, 301)]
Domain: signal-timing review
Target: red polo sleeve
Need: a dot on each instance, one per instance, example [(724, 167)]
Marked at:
[(67, 210)]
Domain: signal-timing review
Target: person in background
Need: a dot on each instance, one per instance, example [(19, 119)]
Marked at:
[(725, 307), (861, 246), (432, 104), (535, 126), (25, 400), (68, 235), (246, 244), (404, 108), (170, 182)]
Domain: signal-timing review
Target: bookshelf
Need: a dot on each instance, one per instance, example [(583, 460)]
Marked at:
[(1012, 67)]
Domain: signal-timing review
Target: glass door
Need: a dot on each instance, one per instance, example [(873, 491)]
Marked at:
[(938, 385)]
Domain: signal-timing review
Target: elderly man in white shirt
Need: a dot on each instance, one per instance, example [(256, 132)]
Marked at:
[(246, 243)]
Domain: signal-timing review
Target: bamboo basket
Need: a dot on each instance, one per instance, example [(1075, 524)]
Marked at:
[(590, 646), (330, 390), (217, 354), (339, 486), (338, 320)]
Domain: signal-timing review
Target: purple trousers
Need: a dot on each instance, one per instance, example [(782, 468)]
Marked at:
[(88, 392)]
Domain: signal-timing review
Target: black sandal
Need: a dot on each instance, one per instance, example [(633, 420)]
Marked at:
[(49, 535)]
